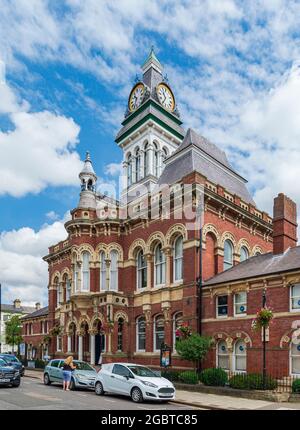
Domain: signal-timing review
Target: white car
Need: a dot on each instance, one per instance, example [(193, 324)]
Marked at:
[(138, 382)]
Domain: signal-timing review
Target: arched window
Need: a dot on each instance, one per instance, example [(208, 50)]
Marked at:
[(120, 334), (159, 332), (177, 320), (156, 160), (102, 271), (244, 254), (160, 266), (141, 334), (137, 165), (141, 270), (228, 254), (178, 259), (85, 271), (240, 356), (129, 170), (222, 355), (68, 289), (113, 285), (76, 276), (295, 358), (57, 287), (146, 160)]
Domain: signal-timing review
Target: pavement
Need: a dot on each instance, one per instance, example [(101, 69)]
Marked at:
[(184, 399)]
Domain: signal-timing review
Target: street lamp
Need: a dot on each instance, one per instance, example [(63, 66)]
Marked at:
[(264, 300), (200, 277)]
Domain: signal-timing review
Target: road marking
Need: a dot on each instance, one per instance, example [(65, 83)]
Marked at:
[(111, 401), (141, 407)]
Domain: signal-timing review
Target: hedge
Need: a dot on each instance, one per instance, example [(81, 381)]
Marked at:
[(214, 377), (252, 381)]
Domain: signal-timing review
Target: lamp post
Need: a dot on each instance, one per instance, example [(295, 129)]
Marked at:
[(200, 277), (264, 342)]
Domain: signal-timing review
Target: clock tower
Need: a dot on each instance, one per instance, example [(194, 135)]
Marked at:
[(151, 130)]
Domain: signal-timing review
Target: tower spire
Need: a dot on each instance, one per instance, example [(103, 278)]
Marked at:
[(88, 181), (152, 61)]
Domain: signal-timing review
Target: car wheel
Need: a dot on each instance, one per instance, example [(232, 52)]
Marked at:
[(136, 395), (47, 379), (16, 383), (99, 389), (72, 385)]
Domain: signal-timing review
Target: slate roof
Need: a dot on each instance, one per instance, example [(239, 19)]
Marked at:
[(39, 313), (260, 265), (13, 310), (198, 154)]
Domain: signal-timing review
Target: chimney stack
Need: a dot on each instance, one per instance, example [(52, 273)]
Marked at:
[(284, 224), (17, 303), (37, 306)]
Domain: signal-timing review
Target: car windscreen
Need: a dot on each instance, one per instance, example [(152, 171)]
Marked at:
[(3, 362), (12, 359), (143, 371), (83, 366)]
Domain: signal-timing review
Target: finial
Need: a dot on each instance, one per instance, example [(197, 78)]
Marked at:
[(87, 156)]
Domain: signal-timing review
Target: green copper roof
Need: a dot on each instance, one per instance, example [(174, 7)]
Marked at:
[(151, 57)]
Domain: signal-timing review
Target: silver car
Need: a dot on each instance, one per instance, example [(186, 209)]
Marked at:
[(83, 376)]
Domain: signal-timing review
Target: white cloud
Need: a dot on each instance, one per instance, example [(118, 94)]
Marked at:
[(114, 169), (24, 274), (39, 151), (52, 215)]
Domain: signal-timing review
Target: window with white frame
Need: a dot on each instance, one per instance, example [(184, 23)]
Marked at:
[(141, 270), (222, 306), (178, 259), (113, 279), (295, 297), (68, 289), (244, 254), (240, 356), (240, 303), (137, 165), (102, 271), (222, 355), (228, 254), (129, 170), (159, 332), (177, 320), (76, 276), (85, 271), (295, 358), (141, 334), (59, 343), (160, 266)]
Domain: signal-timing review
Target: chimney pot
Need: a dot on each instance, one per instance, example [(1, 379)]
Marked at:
[(37, 306), (17, 303)]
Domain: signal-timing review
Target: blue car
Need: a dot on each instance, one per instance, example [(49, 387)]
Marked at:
[(9, 376), (13, 361), (83, 376)]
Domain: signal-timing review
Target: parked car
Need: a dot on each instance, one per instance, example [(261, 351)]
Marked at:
[(9, 376), (138, 382), (82, 377), (12, 360)]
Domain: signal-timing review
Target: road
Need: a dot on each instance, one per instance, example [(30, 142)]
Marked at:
[(33, 394)]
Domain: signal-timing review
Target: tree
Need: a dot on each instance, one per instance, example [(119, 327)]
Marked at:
[(193, 347), (13, 331)]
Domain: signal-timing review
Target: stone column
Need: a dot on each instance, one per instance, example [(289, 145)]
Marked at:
[(151, 160), (160, 162), (80, 347), (107, 263), (149, 269), (92, 346), (167, 252), (133, 170), (142, 164)]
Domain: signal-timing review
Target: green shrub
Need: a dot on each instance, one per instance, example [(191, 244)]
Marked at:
[(188, 377), (296, 386), (252, 381), (215, 377), (171, 375)]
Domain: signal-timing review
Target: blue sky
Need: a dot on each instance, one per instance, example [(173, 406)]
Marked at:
[(67, 70)]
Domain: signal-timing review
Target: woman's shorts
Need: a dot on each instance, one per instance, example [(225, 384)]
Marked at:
[(67, 375)]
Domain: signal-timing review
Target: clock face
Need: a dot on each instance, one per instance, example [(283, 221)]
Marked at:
[(165, 96), (136, 97)]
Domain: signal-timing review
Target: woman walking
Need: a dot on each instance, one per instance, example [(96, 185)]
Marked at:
[(67, 372)]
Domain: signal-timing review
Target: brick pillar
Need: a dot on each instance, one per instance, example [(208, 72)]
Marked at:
[(284, 224)]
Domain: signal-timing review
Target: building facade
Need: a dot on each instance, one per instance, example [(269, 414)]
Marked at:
[(7, 311), (36, 334), (126, 275)]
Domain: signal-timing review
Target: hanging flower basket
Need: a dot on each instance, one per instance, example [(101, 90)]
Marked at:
[(263, 318), (183, 331), (56, 331)]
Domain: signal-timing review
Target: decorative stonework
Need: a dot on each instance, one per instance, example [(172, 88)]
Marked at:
[(175, 231), (243, 243), (153, 239), (257, 250), (134, 247), (120, 314), (210, 228), (227, 235)]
